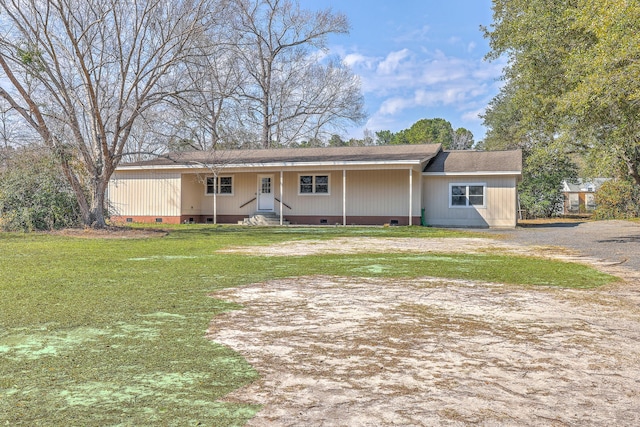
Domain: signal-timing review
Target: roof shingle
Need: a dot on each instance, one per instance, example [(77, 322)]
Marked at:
[(420, 153), (476, 161)]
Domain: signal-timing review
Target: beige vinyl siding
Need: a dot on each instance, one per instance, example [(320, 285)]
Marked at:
[(369, 193), (310, 204), (245, 187), (500, 204), (145, 193), (195, 201), (382, 193)]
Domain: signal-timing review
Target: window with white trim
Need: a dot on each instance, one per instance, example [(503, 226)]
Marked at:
[(222, 185), (313, 184), (574, 202), (467, 195), (590, 202)]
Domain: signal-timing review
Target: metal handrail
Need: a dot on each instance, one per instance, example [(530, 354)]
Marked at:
[(242, 206), (284, 204), (276, 199)]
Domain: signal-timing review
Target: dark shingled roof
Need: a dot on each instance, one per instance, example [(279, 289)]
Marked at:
[(421, 153), (476, 161)]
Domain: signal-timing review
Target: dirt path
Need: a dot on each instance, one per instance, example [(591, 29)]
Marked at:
[(369, 352)]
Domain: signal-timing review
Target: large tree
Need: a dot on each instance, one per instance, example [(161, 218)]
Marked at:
[(289, 92), (429, 131), (83, 73), (435, 131), (573, 76)]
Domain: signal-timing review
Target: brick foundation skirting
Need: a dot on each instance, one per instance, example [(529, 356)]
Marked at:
[(351, 220), (123, 219), (292, 219)]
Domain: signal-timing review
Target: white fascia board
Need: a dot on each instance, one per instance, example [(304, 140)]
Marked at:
[(270, 165), (471, 173)]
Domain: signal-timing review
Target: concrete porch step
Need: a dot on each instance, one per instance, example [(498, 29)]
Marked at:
[(263, 219)]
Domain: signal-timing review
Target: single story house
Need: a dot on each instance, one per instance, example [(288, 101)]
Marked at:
[(373, 185), (579, 195)]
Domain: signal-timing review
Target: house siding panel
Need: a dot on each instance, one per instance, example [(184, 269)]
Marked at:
[(145, 194), (311, 204), (381, 192), (193, 201), (196, 202), (501, 202)]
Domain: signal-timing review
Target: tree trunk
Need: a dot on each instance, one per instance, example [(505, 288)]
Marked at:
[(92, 204), (633, 172), (266, 130), (77, 188), (632, 161), (96, 213)]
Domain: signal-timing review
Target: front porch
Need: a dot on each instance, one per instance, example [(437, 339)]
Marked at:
[(324, 197)]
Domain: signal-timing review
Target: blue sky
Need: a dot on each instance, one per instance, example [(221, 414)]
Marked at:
[(418, 59)]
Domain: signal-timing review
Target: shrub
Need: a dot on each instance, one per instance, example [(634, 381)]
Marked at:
[(617, 199), (34, 195), (541, 188)]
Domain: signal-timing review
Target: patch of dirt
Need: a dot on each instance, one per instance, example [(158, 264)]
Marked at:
[(351, 245), (109, 233), (369, 352), (374, 245)]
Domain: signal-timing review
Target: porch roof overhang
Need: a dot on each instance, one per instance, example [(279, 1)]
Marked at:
[(399, 156)]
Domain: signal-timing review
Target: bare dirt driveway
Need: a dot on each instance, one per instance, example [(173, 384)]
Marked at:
[(335, 351)]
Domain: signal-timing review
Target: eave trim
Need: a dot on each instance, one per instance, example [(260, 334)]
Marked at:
[(271, 165)]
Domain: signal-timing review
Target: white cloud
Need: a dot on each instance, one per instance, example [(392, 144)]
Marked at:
[(473, 116), (404, 79), (392, 62), (355, 59), (406, 85), (392, 106)]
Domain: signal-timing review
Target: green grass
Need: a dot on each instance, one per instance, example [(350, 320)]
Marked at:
[(111, 331)]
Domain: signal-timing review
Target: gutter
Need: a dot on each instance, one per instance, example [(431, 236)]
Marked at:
[(269, 165)]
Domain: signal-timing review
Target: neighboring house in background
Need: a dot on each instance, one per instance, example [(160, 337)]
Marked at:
[(374, 185), (579, 195)]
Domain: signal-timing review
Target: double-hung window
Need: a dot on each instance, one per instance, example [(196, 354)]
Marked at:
[(221, 185), (313, 184), (467, 195)]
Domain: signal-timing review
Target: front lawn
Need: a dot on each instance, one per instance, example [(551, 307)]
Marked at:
[(100, 331)]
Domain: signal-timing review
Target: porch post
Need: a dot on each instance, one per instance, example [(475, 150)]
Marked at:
[(281, 197), (215, 197), (344, 197), (410, 196)]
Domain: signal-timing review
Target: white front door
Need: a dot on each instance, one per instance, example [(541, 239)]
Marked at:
[(265, 193)]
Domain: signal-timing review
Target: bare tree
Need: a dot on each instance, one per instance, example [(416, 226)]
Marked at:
[(209, 110), (13, 131), (289, 93), (462, 139), (82, 73), (316, 102)]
